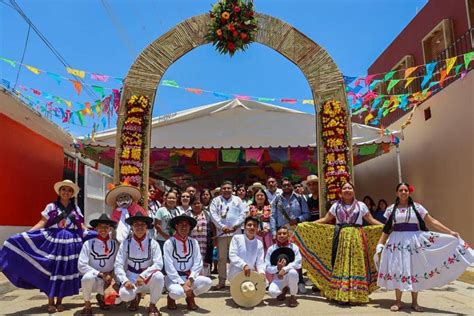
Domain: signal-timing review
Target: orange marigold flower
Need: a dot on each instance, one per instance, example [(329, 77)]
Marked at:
[(225, 15), (219, 32)]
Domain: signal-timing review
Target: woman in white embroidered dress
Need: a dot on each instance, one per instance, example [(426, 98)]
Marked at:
[(414, 259)]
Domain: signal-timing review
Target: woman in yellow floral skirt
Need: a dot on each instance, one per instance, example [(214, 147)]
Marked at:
[(339, 258)]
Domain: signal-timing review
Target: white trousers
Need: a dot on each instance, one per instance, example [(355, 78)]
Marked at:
[(91, 283), (154, 287), (201, 285), (290, 279)]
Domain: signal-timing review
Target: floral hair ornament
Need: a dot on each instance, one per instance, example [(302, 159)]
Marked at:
[(411, 189)]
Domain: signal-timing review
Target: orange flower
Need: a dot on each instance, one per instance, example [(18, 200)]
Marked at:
[(219, 32), (225, 15)]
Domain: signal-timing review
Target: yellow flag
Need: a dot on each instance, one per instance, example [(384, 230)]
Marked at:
[(409, 71), (368, 118), (34, 70), (76, 72), (68, 103), (450, 63), (308, 102), (409, 80)]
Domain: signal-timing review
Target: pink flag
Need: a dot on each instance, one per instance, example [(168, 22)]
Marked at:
[(242, 97), (116, 100), (97, 77), (253, 154)]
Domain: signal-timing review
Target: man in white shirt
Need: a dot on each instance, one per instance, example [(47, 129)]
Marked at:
[(96, 262), (228, 213), (138, 265), (246, 251), (283, 259), (272, 189), (183, 264)]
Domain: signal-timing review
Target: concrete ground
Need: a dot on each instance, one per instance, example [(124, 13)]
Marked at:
[(456, 298)]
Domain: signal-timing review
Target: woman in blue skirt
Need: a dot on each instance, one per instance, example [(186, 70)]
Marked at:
[(46, 256)]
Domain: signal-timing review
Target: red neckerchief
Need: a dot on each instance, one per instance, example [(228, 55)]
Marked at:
[(104, 240), (184, 241), (285, 244), (139, 241)]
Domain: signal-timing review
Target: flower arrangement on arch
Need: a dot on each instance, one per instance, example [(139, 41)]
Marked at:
[(131, 167), (335, 143), (233, 25)]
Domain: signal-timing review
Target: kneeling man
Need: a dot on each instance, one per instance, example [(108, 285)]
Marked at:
[(246, 251), (138, 265), (183, 264), (96, 262), (283, 260)]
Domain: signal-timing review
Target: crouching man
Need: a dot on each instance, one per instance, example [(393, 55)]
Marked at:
[(138, 265), (96, 262), (183, 264), (283, 259)]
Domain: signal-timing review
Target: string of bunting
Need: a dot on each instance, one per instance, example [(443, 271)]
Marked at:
[(359, 83)]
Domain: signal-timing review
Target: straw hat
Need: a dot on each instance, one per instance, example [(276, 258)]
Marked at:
[(247, 291), (311, 178), (257, 185), (115, 191), (191, 220), (66, 183), (103, 219)]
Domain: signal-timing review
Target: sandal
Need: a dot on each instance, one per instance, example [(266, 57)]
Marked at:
[(133, 307), (395, 308), (51, 309), (417, 308), (60, 308), (219, 286), (153, 311)]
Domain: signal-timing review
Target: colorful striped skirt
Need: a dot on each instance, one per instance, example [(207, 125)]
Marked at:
[(353, 276), (44, 259)]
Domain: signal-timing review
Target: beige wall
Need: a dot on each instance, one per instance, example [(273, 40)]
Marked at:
[(437, 158)]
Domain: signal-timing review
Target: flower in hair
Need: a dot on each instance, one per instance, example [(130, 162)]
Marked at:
[(411, 189)]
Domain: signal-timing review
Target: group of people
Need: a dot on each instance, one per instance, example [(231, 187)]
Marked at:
[(264, 236)]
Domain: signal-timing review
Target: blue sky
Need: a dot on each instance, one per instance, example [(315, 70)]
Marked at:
[(105, 36)]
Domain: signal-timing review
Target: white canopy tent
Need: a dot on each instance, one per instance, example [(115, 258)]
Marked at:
[(239, 123)]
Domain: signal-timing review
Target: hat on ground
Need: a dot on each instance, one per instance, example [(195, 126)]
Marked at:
[(139, 217), (175, 220), (311, 178), (282, 253), (115, 191), (103, 219), (66, 183), (247, 291), (257, 185)]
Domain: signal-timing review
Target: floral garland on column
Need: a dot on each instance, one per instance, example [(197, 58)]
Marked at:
[(133, 129), (335, 143), (233, 25)]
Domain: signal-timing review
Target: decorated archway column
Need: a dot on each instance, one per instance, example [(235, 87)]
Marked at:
[(134, 129)]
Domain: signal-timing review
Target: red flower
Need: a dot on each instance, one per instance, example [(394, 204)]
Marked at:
[(431, 274), (231, 46), (450, 260), (223, 21), (404, 279), (413, 279), (431, 239), (380, 275), (389, 276), (235, 33), (411, 188), (236, 9), (231, 27), (243, 36)]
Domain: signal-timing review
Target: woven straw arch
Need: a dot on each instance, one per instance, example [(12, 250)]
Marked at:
[(322, 73)]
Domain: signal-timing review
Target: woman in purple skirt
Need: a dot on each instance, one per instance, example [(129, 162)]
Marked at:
[(46, 256)]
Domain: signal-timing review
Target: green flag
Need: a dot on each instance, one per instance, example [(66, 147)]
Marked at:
[(230, 155), (368, 149)]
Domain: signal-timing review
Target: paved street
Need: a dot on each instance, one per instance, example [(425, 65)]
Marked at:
[(456, 298)]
